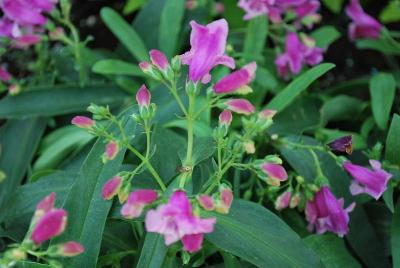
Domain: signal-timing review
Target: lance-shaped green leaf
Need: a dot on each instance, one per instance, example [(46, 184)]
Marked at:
[(256, 35), (258, 236), (51, 101), (392, 153), (153, 251), (117, 67)]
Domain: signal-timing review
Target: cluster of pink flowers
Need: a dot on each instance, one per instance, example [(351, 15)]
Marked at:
[(23, 20), (49, 222)]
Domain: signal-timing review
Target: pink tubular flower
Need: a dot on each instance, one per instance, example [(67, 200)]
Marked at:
[(363, 25), (70, 249), (275, 172), (225, 200), (207, 50), (112, 149), (326, 213), (176, 221), (373, 182), (240, 106), (4, 75), (206, 202), (50, 225), (137, 200), (236, 80), (225, 118), (83, 122), (111, 188), (283, 200), (159, 59), (143, 97)]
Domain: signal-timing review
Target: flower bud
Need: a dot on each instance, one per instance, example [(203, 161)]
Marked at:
[(276, 173), (50, 225), (124, 193), (45, 205), (206, 202), (16, 254), (111, 187), (57, 34), (5, 76), (137, 200), (70, 249), (225, 118), (249, 147), (267, 114), (176, 64), (111, 151), (99, 112), (240, 106), (225, 200), (283, 200), (295, 200), (143, 97), (342, 144), (159, 59), (83, 122), (148, 69), (14, 89)]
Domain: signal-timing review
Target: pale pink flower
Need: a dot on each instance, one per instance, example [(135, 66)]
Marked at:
[(363, 25), (240, 106), (225, 200), (225, 118), (137, 200), (70, 249), (83, 122)]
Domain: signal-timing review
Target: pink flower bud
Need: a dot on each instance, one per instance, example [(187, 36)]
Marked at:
[(57, 34), (240, 106), (111, 188), (276, 173), (206, 202), (50, 225), (295, 200), (26, 41), (137, 200), (234, 81), (283, 200), (83, 122), (143, 97), (225, 118), (70, 249), (111, 150), (45, 205), (225, 202), (267, 114), (219, 8), (14, 89), (145, 66), (4, 75), (159, 59)]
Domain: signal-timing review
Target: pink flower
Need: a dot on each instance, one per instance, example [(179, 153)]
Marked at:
[(70, 249), (225, 118), (225, 200), (363, 25), (236, 80), (112, 149), (342, 144), (207, 50), (6, 27), (275, 172), (283, 200), (26, 41), (50, 225), (137, 200), (145, 66), (326, 213), (373, 182), (4, 75), (176, 221), (83, 122), (254, 8), (45, 205), (111, 188), (22, 11), (206, 202), (143, 97), (159, 59), (240, 106)]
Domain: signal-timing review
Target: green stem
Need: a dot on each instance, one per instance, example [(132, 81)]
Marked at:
[(190, 134), (173, 89)]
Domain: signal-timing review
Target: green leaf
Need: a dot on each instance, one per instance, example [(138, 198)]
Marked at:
[(204, 148), (88, 213), (333, 5), (18, 140), (383, 45), (170, 26), (258, 236), (59, 100), (382, 88), (125, 33), (256, 35), (391, 13), (392, 153), (153, 251), (117, 67), (342, 107), (332, 251), (28, 264), (295, 88), (200, 128), (325, 36), (395, 236), (388, 198), (133, 5)]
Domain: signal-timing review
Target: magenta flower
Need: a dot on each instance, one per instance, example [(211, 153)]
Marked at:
[(159, 59), (23, 11), (373, 182), (207, 50), (25, 41), (225, 118), (143, 97), (83, 122), (4, 74), (326, 213), (283, 200), (111, 188), (112, 149), (176, 221), (236, 80), (275, 172), (225, 200), (254, 8), (6, 27), (70, 249), (206, 202), (342, 144), (50, 225), (240, 106), (363, 25), (137, 200)]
